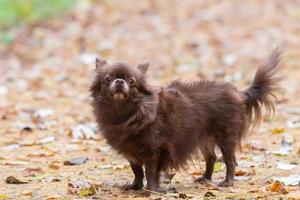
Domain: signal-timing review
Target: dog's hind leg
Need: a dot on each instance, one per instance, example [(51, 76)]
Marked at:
[(228, 147)]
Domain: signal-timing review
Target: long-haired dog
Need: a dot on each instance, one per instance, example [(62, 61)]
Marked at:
[(161, 129)]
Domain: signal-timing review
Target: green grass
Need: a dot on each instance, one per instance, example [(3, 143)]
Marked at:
[(14, 12)]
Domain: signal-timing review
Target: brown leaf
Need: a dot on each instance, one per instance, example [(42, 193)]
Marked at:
[(244, 172), (27, 193), (209, 195), (278, 187), (54, 165), (13, 180), (33, 171), (240, 173), (197, 173)]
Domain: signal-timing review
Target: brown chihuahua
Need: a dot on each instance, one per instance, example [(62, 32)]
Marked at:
[(162, 129)]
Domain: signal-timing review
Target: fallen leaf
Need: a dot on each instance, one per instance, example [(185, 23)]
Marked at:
[(244, 172), (278, 131), (33, 171), (85, 192), (209, 195), (27, 193), (54, 165), (13, 180), (83, 188), (197, 173), (240, 173), (76, 161), (278, 187)]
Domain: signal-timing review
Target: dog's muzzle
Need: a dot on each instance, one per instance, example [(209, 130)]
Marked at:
[(119, 89)]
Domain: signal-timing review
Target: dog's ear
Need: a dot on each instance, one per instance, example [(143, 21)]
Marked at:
[(100, 63), (143, 67)]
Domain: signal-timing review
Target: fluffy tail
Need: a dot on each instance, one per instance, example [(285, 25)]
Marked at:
[(262, 91)]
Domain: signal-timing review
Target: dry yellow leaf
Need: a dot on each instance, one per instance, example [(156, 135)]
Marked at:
[(54, 165), (278, 131)]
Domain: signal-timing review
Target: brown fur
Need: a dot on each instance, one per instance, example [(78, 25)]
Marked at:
[(165, 128)]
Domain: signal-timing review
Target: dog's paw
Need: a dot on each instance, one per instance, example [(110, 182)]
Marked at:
[(133, 187), (225, 184), (202, 180)]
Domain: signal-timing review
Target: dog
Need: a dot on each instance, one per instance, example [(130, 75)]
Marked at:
[(158, 129)]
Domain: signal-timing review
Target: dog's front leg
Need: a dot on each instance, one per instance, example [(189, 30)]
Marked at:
[(138, 177), (152, 174)]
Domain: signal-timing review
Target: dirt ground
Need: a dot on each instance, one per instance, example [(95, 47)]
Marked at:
[(45, 111)]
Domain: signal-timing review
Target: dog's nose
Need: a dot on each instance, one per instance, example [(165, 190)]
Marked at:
[(120, 81)]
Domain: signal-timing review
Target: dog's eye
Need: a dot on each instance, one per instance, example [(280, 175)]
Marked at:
[(107, 79), (131, 81)]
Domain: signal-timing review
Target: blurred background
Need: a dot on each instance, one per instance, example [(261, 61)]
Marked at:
[(47, 54)]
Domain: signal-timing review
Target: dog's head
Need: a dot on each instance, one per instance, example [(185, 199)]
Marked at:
[(120, 82)]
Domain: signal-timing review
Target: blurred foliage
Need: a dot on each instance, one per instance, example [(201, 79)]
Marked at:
[(13, 12)]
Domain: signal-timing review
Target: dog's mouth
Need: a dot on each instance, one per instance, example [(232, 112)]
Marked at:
[(119, 95)]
